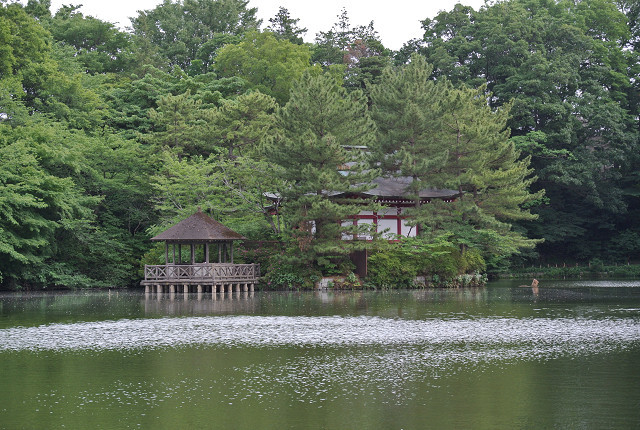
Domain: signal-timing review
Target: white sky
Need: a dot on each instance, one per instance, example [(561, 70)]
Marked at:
[(396, 21)]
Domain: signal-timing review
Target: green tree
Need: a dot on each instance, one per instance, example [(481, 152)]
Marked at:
[(405, 108), (268, 64), (178, 29), (100, 47), (179, 123), (319, 132), (345, 44), (562, 67), (120, 172), (206, 55), (242, 124), (285, 27), (231, 191), (493, 180), (75, 198), (40, 9), (632, 10), (12, 110), (181, 185), (130, 101), (447, 137), (34, 204), (357, 49), (52, 83), (106, 250), (253, 186), (238, 124), (51, 235), (24, 42)]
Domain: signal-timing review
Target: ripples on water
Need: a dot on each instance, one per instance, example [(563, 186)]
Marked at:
[(126, 334), (368, 357), (590, 283)]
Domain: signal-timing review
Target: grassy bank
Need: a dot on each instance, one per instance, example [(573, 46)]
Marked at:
[(593, 270)]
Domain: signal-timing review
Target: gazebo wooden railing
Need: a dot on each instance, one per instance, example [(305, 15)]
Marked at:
[(203, 277), (207, 277), (211, 273)]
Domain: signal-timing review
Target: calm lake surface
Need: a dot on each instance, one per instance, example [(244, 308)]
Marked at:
[(500, 357)]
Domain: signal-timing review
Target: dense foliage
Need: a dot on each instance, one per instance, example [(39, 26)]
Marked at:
[(529, 108), (446, 137), (570, 71)]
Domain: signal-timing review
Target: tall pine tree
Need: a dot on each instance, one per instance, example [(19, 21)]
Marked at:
[(322, 130), (406, 114), (487, 170), (448, 137)]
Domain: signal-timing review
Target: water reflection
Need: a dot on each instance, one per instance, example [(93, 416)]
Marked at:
[(172, 304), (388, 304)]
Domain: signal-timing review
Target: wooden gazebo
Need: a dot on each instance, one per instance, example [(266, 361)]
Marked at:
[(202, 233)]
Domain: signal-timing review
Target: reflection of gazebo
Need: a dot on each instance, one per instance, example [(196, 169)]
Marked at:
[(199, 232)]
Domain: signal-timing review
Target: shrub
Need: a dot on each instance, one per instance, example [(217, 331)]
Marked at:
[(389, 269), (596, 265), (447, 262), (286, 272), (398, 266)]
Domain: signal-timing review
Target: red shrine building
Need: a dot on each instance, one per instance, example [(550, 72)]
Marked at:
[(392, 194), (392, 221)]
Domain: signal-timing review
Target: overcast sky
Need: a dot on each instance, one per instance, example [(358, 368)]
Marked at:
[(397, 21)]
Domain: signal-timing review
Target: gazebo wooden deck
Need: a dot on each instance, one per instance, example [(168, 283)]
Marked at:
[(200, 232)]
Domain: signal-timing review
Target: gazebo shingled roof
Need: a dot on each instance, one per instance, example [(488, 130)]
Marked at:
[(199, 227)]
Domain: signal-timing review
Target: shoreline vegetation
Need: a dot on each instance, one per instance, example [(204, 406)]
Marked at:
[(593, 270), (354, 283)]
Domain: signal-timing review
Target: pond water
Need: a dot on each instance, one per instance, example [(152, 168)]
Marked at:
[(564, 356)]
